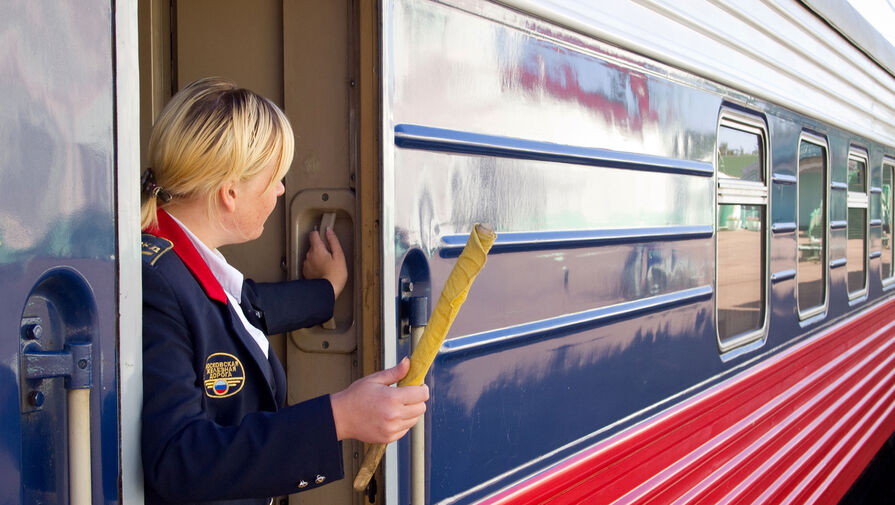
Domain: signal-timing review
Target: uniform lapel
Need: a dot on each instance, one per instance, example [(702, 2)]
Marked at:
[(252, 347), (279, 379), (169, 229)]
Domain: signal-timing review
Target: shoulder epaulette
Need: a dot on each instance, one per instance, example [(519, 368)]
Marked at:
[(154, 247)]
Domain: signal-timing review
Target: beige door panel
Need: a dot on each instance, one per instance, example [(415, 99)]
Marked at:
[(307, 57)]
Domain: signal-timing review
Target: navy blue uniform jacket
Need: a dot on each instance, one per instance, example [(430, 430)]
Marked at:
[(215, 424)]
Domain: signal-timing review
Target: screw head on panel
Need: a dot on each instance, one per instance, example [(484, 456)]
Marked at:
[(35, 398)]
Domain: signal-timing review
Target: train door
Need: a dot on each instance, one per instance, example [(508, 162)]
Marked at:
[(317, 61), (63, 136)]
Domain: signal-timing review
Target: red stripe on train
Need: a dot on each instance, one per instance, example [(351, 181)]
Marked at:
[(797, 428)]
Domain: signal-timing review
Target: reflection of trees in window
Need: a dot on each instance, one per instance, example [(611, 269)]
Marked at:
[(856, 247), (856, 169), (741, 232), (811, 273), (886, 217), (739, 155)]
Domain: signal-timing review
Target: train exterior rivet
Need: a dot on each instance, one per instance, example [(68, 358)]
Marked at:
[(33, 331), (35, 398)]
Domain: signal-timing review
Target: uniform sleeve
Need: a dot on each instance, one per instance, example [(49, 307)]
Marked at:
[(292, 305), (186, 456)]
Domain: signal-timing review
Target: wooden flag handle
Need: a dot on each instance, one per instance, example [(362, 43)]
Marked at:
[(465, 270)]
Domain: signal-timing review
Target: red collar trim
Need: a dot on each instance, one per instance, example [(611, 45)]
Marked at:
[(169, 229)]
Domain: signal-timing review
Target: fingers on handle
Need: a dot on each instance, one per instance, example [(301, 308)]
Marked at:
[(413, 394), (334, 245), (393, 374), (314, 238)]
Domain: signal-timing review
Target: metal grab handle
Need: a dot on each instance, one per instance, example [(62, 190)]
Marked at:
[(418, 443), (328, 220), (74, 363), (79, 475), (456, 288)]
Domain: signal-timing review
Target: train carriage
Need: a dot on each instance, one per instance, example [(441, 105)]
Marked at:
[(690, 296)]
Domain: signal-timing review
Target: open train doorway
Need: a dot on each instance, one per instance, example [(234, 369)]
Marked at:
[(318, 61)]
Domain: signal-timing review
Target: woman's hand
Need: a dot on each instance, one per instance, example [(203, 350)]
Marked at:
[(371, 411), (320, 263)]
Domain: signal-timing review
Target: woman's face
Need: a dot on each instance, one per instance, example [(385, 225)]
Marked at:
[(256, 199)]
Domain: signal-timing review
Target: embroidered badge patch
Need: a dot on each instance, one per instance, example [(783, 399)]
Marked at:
[(154, 247), (224, 375)]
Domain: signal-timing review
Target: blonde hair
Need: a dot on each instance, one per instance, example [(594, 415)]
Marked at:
[(212, 132)]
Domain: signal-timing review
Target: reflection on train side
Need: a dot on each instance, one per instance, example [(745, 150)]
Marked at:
[(812, 219), (856, 255), (740, 286), (741, 230)]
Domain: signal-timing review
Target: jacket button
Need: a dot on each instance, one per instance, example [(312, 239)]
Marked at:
[(303, 484), (319, 479)]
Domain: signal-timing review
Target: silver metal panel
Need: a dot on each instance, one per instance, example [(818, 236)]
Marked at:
[(130, 292), (518, 88), (535, 121), (459, 70), (389, 289), (547, 283), (441, 194), (778, 51), (557, 141)]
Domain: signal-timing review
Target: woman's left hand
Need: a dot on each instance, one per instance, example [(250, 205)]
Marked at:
[(320, 263)]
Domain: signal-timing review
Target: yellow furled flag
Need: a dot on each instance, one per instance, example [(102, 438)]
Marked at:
[(465, 270)]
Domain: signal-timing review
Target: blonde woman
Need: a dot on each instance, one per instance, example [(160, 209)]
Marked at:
[(215, 424)]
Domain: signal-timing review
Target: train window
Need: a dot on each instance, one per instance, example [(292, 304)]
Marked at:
[(739, 155), (856, 252), (886, 218), (811, 271), (742, 224)]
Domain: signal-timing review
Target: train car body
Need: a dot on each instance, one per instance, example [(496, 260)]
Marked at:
[(689, 300)]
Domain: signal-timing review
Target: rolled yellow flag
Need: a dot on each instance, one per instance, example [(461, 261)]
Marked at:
[(465, 270)]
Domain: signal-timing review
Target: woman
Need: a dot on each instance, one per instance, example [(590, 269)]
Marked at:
[(215, 424)]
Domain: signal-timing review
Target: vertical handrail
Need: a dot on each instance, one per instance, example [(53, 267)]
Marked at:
[(80, 480), (418, 443)]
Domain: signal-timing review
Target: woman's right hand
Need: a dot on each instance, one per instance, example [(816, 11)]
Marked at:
[(371, 411), (320, 263)]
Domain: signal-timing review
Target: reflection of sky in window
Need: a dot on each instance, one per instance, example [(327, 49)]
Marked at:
[(739, 155), (809, 150), (738, 142)]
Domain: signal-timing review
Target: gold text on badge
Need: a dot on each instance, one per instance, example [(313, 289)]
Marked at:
[(224, 375)]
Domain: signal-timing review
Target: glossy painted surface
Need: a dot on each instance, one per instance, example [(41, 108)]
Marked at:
[(57, 220), (596, 310), (792, 429), (779, 52), (567, 155)]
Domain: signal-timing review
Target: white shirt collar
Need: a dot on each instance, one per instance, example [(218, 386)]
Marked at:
[(231, 280), (229, 277)]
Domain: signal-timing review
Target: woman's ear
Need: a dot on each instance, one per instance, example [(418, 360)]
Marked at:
[(227, 196)]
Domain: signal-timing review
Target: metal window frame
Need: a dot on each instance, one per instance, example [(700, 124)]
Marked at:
[(820, 141), (739, 192), (859, 200)]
